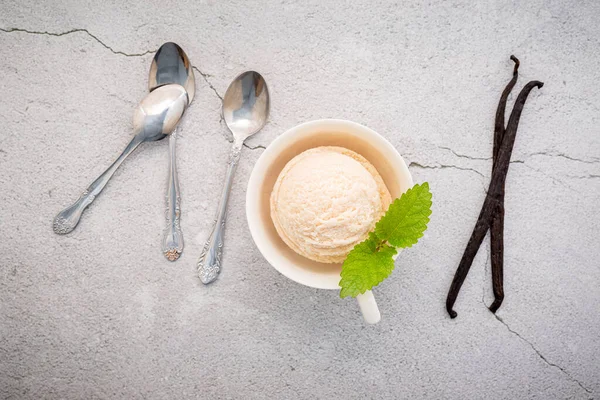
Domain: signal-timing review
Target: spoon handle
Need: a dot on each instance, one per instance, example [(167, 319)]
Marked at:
[(66, 220), (209, 263), (172, 245)]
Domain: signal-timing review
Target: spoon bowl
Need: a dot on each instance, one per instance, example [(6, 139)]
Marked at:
[(171, 65), (246, 105), (159, 112)]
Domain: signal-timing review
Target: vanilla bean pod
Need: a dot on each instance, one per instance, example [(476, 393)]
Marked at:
[(493, 198), (497, 224)]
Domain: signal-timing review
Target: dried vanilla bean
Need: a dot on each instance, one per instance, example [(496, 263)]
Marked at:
[(494, 198), (497, 224)]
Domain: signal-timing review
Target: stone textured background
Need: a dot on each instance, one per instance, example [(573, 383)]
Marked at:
[(101, 314)]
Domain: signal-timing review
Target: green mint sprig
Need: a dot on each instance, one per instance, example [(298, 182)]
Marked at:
[(370, 261)]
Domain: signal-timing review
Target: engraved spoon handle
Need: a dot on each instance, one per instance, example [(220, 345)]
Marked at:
[(209, 263), (173, 237), (66, 220)]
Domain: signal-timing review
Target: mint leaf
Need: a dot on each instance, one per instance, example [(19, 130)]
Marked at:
[(406, 219), (367, 265), (370, 261)]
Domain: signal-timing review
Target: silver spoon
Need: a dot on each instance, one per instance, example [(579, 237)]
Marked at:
[(245, 110), (155, 118), (171, 65)]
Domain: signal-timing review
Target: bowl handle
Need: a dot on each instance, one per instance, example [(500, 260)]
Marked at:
[(368, 307)]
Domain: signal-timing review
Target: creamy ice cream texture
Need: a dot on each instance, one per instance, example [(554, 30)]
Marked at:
[(325, 201)]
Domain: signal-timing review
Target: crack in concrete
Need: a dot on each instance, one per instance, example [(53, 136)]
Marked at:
[(540, 355), (258, 146), (562, 155), (9, 30), (444, 166), (539, 153), (205, 77), (557, 181), (591, 176), (464, 155)]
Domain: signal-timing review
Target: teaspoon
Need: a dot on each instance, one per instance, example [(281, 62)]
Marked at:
[(245, 111), (154, 118), (171, 65)]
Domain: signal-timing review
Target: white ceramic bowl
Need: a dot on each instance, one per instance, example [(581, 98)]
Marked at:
[(327, 132)]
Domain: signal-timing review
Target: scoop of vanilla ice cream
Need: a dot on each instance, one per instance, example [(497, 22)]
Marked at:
[(325, 201)]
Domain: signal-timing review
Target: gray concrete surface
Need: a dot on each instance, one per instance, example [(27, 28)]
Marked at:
[(100, 314)]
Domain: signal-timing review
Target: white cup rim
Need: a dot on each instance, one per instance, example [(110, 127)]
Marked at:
[(257, 230)]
